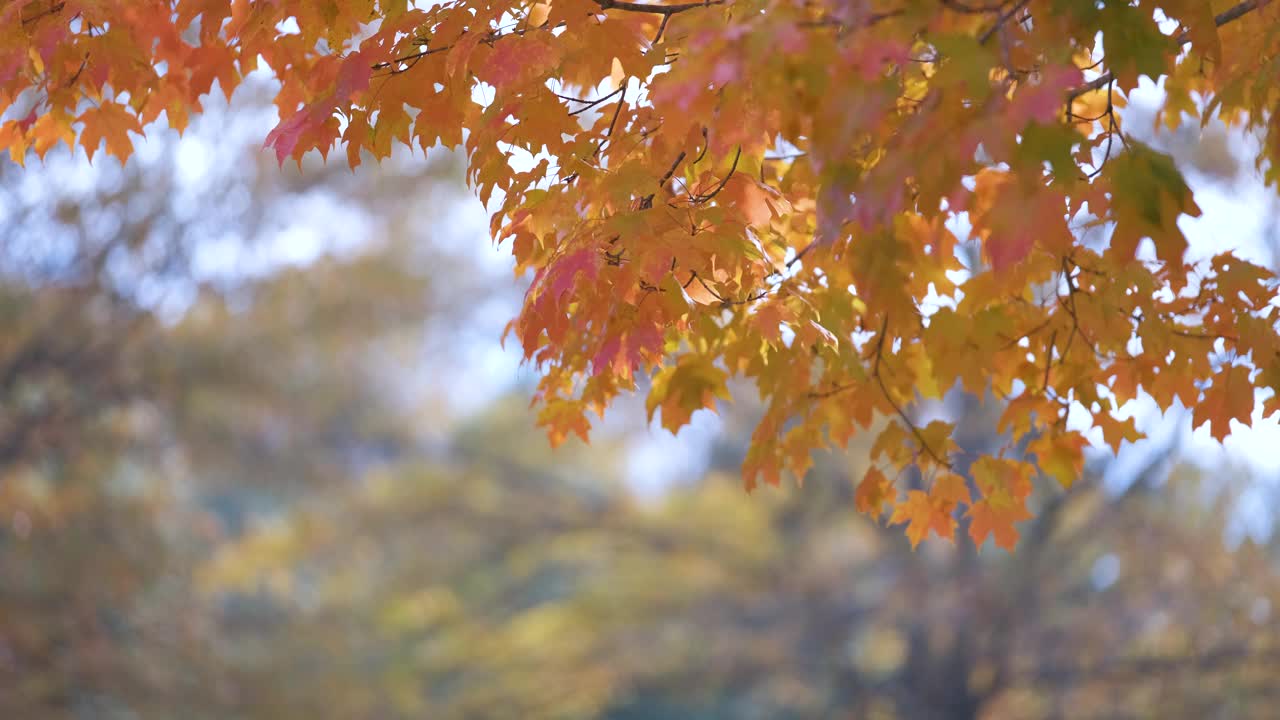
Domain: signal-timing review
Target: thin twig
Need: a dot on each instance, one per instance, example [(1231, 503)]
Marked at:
[(1222, 18), (654, 9), (1000, 21), (875, 373), (725, 181)]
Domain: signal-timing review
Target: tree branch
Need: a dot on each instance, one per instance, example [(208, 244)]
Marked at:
[(1222, 18), (1000, 21), (667, 10), (875, 374)]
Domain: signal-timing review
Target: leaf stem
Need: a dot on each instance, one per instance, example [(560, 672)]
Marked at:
[(875, 373)]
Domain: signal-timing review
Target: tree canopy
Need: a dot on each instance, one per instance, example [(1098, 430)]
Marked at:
[(773, 190)]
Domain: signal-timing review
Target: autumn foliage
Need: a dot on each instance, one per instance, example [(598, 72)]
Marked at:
[(771, 190)]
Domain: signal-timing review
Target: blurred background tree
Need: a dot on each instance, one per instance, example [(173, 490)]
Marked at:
[(496, 588), (170, 369), (255, 463)]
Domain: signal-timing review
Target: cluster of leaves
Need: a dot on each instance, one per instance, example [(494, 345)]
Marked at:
[(769, 189)]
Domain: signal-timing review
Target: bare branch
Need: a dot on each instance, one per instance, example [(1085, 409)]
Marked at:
[(1222, 18), (653, 8)]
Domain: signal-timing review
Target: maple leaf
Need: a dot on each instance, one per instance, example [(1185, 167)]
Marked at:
[(989, 518), (1229, 398), (1012, 219), (1115, 432), (561, 418), (874, 492), (626, 350), (1135, 44), (1270, 379), (949, 490), (354, 75), (110, 123), (692, 384), (1061, 456), (921, 516), (284, 137), (1005, 486), (933, 511), (1149, 196), (769, 319), (513, 63)]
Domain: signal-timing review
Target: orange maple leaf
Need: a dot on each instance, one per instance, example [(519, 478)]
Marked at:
[(1229, 398), (873, 493), (997, 518)]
